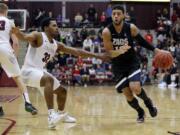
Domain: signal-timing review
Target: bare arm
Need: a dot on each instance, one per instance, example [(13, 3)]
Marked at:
[(15, 44), (109, 46), (34, 38), (142, 42), (80, 52)]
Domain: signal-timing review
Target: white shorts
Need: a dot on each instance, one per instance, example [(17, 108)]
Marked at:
[(9, 62), (32, 77)]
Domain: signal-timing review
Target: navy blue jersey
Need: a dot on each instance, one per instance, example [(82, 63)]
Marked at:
[(129, 59)]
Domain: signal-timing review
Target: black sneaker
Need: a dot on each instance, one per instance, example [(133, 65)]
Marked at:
[(1, 112), (30, 108), (152, 109), (141, 116)]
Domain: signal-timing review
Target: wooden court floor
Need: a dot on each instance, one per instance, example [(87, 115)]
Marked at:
[(99, 111)]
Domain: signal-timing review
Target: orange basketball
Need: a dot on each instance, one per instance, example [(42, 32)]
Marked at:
[(163, 60)]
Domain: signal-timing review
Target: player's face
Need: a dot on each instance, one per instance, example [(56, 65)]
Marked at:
[(117, 16), (53, 28)]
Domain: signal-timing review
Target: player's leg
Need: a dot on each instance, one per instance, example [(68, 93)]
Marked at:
[(47, 82), (61, 101), (28, 106), (133, 102), (135, 86), (123, 86), (61, 93), (11, 67)]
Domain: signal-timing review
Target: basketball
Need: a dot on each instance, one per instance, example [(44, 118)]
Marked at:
[(163, 60)]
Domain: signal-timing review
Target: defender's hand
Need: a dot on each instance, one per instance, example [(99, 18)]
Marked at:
[(121, 50), (15, 30)]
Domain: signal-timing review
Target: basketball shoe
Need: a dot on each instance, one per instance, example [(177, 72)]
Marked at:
[(141, 116), (67, 118), (54, 118), (152, 109), (30, 108)]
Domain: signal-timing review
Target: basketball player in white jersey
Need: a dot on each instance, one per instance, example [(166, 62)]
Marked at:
[(8, 59), (41, 49)]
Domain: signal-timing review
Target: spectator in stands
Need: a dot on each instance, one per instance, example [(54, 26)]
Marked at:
[(86, 20), (149, 37), (96, 20), (159, 44), (100, 73), (173, 76), (76, 75), (78, 19), (172, 49), (70, 61), (59, 20), (96, 62), (174, 16), (92, 74), (85, 75), (158, 15), (87, 44), (132, 15), (108, 14), (83, 33), (76, 37), (165, 14), (103, 19), (79, 61), (178, 10), (91, 13), (108, 73), (176, 30), (69, 40), (96, 46)]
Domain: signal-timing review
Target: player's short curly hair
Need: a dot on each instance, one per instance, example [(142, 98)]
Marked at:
[(118, 7), (45, 22)]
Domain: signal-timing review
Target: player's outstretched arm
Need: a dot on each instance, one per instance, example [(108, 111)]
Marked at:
[(32, 37), (79, 52)]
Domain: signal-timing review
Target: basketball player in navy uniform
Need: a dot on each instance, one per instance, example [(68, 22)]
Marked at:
[(126, 67)]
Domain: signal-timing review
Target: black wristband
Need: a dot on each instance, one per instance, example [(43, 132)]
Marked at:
[(142, 42)]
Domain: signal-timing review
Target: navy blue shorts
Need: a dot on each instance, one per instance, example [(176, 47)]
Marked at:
[(123, 78)]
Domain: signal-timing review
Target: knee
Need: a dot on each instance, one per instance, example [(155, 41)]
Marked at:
[(136, 88), (47, 81), (129, 97), (128, 94), (61, 91)]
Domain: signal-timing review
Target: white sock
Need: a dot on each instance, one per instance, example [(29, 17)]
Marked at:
[(61, 112), (50, 111), (26, 97)]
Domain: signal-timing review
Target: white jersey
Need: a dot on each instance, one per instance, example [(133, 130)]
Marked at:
[(5, 28), (38, 57)]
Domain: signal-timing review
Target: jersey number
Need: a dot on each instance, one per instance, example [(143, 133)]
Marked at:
[(116, 47), (46, 57), (2, 25)]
